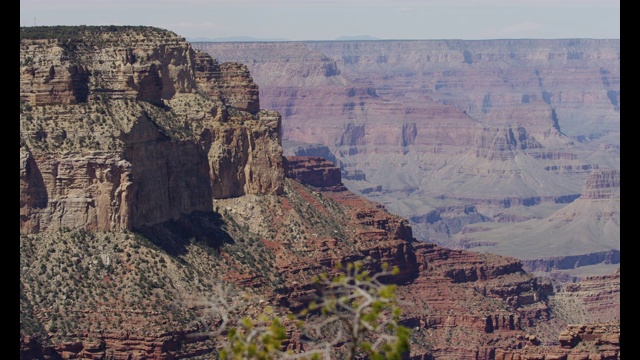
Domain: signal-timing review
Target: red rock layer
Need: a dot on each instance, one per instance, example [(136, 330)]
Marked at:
[(313, 171)]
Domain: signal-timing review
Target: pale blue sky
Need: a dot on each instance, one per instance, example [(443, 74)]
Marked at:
[(330, 19)]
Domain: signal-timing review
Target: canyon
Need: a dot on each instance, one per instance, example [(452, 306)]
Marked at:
[(153, 184), (475, 142)]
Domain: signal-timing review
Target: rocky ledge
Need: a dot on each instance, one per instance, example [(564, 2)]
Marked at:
[(147, 193), (123, 127)]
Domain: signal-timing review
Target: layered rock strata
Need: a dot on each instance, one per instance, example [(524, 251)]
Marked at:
[(456, 286), (132, 142), (314, 171), (582, 234), (593, 299), (276, 245), (230, 82), (509, 129), (146, 213)]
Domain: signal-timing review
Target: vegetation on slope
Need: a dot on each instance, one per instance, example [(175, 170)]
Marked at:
[(77, 283), (81, 32)]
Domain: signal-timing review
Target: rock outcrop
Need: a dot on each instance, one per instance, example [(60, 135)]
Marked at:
[(314, 171), (603, 184), (583, 234), (131, 65), (456, 287), (509, 128), (608, 334), (230, 82), (589, 300), (129, 147), (147, 213)]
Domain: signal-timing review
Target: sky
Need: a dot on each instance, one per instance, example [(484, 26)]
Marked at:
[(332, 19)]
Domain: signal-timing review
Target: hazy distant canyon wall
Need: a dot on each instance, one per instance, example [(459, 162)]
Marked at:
[(150, 178), (450, 133)]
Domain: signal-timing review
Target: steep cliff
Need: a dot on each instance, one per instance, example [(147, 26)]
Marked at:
[(161, 192), (448, 133), (148, 294), (117, 134)]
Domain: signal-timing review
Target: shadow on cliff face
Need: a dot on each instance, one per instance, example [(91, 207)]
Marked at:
[(36, 191), (173, 236)]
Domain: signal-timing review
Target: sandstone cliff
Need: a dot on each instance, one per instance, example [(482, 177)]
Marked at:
[(448, 133), (117, 133), (158, 185), (147, 296)]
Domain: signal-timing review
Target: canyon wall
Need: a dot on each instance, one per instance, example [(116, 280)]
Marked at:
[(153, 198), (111, 137), (591, 224), (448, 133), (457, 303)]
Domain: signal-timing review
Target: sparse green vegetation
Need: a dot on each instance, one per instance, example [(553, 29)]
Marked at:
[(82, 32), (353, 309)]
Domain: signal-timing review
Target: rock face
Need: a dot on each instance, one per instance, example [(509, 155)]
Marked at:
[(228, 81), (583, 233), (602, 185), (600, 334), (594, 299), (111, 140), (456, 286), (314, 171), (448, 133), (141, 203), (135, 68)]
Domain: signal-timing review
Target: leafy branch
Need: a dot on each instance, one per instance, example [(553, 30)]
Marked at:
[(354, 315), (361, 313)]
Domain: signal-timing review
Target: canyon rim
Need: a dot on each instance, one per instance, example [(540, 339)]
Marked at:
[(152, 173)]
